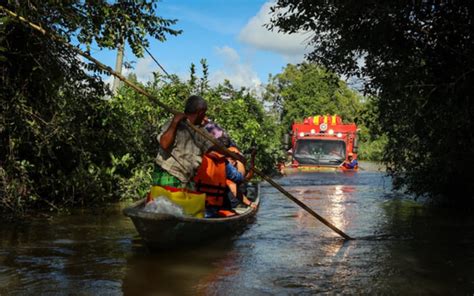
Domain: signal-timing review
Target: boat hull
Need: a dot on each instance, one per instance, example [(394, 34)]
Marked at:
[(162, 231)]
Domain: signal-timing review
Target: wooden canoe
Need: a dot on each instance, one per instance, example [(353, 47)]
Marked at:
[(161, 231)]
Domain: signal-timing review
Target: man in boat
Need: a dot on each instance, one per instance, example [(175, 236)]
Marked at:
[(351, 163), (181, 148)]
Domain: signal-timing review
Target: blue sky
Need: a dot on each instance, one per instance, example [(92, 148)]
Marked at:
[(229, 34)]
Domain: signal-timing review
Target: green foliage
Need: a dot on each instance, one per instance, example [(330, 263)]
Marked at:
[(372, 140), (60, 141), (371, 149), (243, 116), (308, 89), (15, 187), (418, 62), (102, 23)]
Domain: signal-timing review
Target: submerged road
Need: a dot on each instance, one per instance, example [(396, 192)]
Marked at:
[(401, 247)]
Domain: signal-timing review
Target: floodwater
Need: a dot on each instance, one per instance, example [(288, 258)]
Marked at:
[(401, 247)]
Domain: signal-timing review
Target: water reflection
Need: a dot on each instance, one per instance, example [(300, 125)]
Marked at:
[(83, 253), (333, 201), (185, 271)]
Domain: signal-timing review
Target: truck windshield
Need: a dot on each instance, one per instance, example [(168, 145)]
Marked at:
[(320, 152)]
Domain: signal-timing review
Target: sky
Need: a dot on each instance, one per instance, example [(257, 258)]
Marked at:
[(228, 34)]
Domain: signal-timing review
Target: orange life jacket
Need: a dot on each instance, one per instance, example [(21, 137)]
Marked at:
[(240, 166), (225, 213), (211, 178)]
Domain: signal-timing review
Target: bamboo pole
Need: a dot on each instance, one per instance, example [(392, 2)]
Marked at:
[(170, 110)]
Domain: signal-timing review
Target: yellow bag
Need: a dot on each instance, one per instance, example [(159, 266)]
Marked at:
[(192, 203)]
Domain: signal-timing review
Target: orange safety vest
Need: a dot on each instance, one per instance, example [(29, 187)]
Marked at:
[(240, 166), (211, 178)]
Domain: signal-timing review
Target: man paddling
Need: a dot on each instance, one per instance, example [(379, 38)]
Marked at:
[(181, 148)]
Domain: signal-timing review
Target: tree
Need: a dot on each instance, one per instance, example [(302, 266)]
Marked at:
[(56, 143), (244, 117), (417, 60), (306, 90)]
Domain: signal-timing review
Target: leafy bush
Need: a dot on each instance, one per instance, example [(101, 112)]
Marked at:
[(60, 141)]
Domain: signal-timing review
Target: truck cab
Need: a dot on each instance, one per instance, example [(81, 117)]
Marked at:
[(321, 142)]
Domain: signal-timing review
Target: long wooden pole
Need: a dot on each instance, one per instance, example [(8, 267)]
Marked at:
[(301, 204), (168, 109)]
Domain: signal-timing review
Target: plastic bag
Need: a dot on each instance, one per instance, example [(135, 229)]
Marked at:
[(163, 205), (192, 203)]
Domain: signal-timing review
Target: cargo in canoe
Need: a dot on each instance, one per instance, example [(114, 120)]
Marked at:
[(161, 231)]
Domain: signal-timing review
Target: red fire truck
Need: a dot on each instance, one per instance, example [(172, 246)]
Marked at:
[(321, 142)]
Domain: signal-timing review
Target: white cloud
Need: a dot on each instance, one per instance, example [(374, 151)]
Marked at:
[(239, 74), (255, 34), (144, 69)]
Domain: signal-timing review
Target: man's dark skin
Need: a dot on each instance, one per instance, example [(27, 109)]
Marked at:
[(167, 139)]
